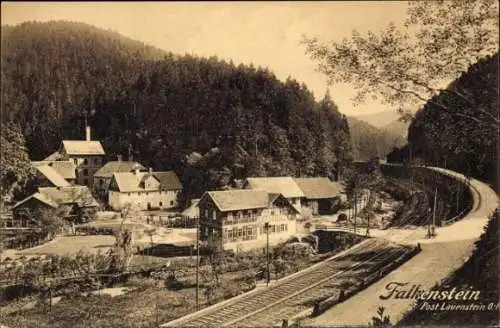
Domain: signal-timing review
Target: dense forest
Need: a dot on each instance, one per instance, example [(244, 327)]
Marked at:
[(369, 141), (465, 139), (207, 119)]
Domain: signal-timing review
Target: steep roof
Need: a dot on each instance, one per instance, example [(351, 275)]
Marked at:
[(57, 196), (193, 210), (83, 147), (240, 199), (117, 167), (80, 195), (52, 175), (318, 188), (66, 169), (168, 180), (55, 156), (280, 185), (129, 181), (41, 197)]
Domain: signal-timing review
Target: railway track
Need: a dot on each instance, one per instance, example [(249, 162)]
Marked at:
[(292, 296)]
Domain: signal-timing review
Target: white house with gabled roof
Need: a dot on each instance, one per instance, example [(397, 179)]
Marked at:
[(87, 155), (144, 190), (235, 219)]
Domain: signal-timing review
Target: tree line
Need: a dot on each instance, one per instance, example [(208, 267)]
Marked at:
[(208, 119)]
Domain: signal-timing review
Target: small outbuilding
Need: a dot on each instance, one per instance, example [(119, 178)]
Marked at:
[(321, 195)]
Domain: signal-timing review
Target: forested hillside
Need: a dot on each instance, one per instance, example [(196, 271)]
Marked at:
[(369, 141), (207, 119), (458, 129)]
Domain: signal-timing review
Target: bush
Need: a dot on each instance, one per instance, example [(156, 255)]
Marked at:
[(342, 217), (89, 230), (306, 213), (141, 283)]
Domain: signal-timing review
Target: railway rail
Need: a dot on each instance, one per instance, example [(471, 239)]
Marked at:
[(293, 295)]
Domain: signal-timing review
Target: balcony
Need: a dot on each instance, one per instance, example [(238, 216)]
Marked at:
[(240, 219)]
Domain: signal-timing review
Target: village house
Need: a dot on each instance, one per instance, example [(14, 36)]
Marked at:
[(87, 155), (66, 169), (285, 186), (144, 190), (235, 219), (102, 178), (193, 210), (76, 201), (321, 195)]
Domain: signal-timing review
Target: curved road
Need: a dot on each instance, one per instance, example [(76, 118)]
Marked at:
[(440, 256)]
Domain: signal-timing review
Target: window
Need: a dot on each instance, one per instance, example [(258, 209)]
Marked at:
[(206, 213), (97, 161), (85, 161), (85, 181), (85, 172), (160, 204), (128, 194), (214, 215), (76, 161), (171, 203), (146, 193), (272, 212)]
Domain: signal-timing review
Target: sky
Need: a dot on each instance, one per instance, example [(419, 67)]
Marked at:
[(266, 34)]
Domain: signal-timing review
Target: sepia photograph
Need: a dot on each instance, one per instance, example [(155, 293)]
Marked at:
[(278, 164)]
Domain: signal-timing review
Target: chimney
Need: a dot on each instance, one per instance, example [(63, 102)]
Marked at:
[(150, 170), (87, 133), (119, 157)]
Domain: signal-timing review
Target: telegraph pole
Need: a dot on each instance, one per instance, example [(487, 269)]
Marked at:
[(355, 209), (197, 262), (266, 225), (433, 229), (368, 227)]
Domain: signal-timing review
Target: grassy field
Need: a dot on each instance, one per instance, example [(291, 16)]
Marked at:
[(148, 305), (143, 308), (71, 245)]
